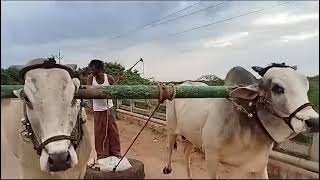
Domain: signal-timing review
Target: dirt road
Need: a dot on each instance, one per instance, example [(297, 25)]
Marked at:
[(150, 148)]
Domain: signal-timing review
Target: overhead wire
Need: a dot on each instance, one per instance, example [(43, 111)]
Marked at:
[(227, 19), (220, 21), (152, 22), (195, 12)]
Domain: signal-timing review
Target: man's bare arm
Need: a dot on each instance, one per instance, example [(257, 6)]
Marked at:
[(111, 79), (89, 79)]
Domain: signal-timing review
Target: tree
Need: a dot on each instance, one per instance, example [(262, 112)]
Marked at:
[(115, 69), (134, 78), (131, 77), (10, 76)]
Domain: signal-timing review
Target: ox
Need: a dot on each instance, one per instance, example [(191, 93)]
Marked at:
[(239, 132), (47, 101)]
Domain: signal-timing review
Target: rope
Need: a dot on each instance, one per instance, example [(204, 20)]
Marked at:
[(241, 108), (163, 95)]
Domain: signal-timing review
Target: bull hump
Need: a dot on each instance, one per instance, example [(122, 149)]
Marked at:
[(36, 61)]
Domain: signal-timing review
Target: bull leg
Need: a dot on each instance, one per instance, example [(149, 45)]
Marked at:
[(212, 163), (171, 141), (263, 174), (187, 152)]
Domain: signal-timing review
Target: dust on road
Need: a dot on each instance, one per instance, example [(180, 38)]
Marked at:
[(150, 148)]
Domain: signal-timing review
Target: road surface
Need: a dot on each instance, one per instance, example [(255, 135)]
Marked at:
[(150, 148)]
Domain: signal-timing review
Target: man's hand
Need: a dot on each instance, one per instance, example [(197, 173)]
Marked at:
[(120, 77)]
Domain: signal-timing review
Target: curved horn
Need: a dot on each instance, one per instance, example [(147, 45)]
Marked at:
[(295, 67), (259, 70)]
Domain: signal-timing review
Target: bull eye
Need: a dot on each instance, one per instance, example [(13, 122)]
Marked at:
[(277, 89)]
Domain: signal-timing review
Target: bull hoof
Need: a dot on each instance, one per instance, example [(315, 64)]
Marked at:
[(166, 170)]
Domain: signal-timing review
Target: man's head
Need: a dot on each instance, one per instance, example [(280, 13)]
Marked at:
[(96, 67)]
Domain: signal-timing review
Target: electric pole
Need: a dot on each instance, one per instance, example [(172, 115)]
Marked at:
[(59, 57)]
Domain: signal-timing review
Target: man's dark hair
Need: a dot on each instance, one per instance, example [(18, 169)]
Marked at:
[(96, 63)]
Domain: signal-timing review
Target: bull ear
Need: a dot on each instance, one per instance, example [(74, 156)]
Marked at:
[(76, 83), (247, 92), (17, 92)]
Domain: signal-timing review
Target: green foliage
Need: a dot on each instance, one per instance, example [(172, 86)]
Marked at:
[(131, 77), (113, 68), (303, 138), (10, 76), (134, 78), (313, 92)]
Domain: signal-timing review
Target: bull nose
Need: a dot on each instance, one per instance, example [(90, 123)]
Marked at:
[(313, 124), (59, 161)]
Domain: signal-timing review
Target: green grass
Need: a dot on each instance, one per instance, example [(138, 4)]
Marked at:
[(313, 93)]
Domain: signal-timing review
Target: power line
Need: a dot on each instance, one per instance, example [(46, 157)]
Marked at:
[(152, 22), (224, 20), (220, 21), (195, 12)]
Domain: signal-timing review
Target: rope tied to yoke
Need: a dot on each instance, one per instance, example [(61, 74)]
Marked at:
[(165, 93)]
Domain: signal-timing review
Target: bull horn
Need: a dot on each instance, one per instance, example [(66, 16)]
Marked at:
[(259, 70), (295, 67)]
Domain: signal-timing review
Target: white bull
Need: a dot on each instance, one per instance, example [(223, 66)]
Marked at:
[(228, 136), (51, 93)]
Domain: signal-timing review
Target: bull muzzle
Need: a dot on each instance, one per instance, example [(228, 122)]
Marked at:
[(313, 124), (59, 161)]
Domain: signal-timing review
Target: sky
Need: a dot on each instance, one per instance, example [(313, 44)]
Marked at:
[(208, 37)]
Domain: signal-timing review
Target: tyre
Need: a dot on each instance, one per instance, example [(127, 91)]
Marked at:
[(135, 172)]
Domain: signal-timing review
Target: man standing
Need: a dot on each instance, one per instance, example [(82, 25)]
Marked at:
[(107, 140)]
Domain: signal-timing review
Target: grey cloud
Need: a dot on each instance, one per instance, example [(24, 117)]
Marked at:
[(30, 22), (83, 30)]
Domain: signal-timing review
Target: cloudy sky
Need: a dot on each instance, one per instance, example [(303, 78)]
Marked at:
[(206, 37)]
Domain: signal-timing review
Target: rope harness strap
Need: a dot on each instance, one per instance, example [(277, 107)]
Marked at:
[(28, 133), (267, 105), (165, 93)]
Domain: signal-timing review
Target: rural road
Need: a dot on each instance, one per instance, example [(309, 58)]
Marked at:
[(150, 148)]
